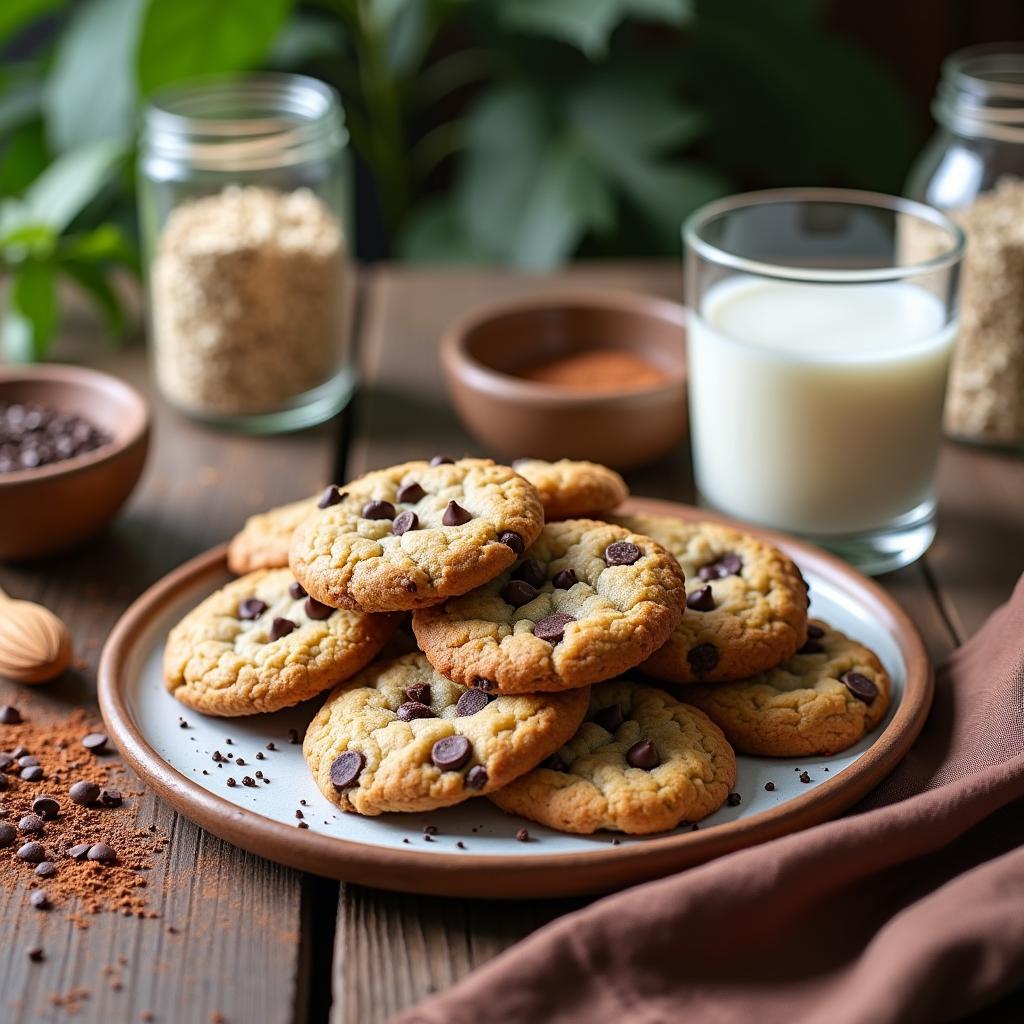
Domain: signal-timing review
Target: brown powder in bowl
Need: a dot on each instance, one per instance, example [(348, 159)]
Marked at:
[(81, 886), (597, 370)]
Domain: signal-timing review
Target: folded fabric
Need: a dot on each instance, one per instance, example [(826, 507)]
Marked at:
[(910, 908)]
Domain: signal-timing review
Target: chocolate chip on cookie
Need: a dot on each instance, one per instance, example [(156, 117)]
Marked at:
[(702, 658), (451, 752), (555, 764), (727, 565), (513, 541), (419, 692), (296, 591), (643, 754), (609, 718), (251, 608), (331, 496), (346, 769), (566, 579), (552, 627), (815, 632), (455, 514), (860, 686), (812, 646), (531, 571), (622, 552), (280, 628), (701, 600), (476, 777), (471, 702), (518, 592), (412, 709), (404, 522), (376, 509), (410, 493), (315, 610)]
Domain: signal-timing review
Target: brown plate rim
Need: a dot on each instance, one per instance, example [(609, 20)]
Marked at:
[(557, 875)]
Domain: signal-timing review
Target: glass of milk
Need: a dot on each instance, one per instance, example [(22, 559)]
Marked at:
[(821, 327)]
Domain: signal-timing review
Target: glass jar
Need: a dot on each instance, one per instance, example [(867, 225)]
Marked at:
[(973, 169), (243, 200)]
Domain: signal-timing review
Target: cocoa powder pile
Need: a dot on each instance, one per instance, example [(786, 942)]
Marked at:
[(68, 832)]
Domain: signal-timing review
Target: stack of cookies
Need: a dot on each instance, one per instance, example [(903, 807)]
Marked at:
[(528, 600)]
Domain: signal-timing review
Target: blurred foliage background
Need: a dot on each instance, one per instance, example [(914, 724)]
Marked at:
[(523, 132)]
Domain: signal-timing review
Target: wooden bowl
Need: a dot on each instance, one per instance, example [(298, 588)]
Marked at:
[(482, 353), (54, 507)]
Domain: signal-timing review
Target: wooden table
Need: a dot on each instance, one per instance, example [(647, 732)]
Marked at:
[(261, 944)]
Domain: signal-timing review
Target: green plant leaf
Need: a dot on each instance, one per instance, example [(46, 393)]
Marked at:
[(16, 14), (59, 194), (91, 93), (105, 244), (184, 38), (435, 234), (306, 37), (92, 280), (23, 158), (20, 101), (31, 316)]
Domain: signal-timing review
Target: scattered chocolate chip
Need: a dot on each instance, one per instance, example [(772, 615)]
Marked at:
[(442, 460), (260, 756), (271, 745), (299, 814), (10, 715), (35, 954), (79, 851), (404, 522), (40, 900), (523, 836), (451, 753), (616, 842), (378, 510), (229, 741), (239, 760), (410, 493), (812, 647), (455, 515), (46, 807), (251, 608), (487, 685), (331, 496), (182, 724), (280, 628), (860, 686), (419, 692), (804, 777), (248, 780), (101, 853), (231, 782), (770, 786), (303, 824), (702, 658), (346, 769), (427, 837), (31, 824), (111, 798), (609, 718), (293, 736), (259, 775), (566, 579), (518, 592), (46, 869), (727, 565), (512, 540), (476, 777), (531, 572), (413, 709), (643, 754), (815, 632), (84, 793), (460, 845), (701, 600), (95, 742), (552, 627), (316, 610), (28, 761), (8, 834), (733, 799), (622, 552), (556, 764), (32, 852), (32, 774), (296, 591), (471, 702)]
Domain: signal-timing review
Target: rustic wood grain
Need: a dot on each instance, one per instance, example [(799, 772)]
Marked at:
[(236, 947)]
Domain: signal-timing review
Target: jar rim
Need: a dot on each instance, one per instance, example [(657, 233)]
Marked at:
[(981, 92)]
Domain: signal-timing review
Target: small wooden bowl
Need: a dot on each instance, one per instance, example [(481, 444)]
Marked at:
[(54, 507), (482, 353)]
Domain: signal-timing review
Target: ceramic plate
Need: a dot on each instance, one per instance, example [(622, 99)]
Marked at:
[(390, 851)]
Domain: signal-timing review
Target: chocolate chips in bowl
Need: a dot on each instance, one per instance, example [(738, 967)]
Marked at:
[(32, 435)]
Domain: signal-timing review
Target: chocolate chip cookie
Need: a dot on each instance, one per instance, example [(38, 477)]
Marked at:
[(263, 541), (746, 602), (641, 762), (571, 489), (412, 535), (400, 737), (821, 701), (261, 644), (587, 601)]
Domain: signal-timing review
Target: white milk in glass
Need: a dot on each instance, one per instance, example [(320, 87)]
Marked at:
[(817, 407)]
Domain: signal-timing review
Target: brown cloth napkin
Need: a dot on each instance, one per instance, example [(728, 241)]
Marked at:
[(909, 909)]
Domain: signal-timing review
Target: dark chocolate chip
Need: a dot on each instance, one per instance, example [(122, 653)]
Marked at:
[(346, 769), (239, 760), (404, 522), (470, 703), (293, 736), (19, 752), (733, 799), (410, 493), (442, 460), (31, 824), (46, 869), (231, 782), (35, 954), (280, 628), (523, 836), (531, 571), (518, 592), (315, 610), (476, 777), (248, 780), (804, 777), (101, 853), (770, 787), (815, 632), (46, 807), (812, 647), (111, 797), (303, 824), (10, 715), (32, 852), (566, 579), (702, 658), (296, 591), (331, 496), (700, 600), (456, 515), (414, 709), (860, 686), (552, 627), (28, 761), (622, 552), (8, 834), (40, 900), (251, 608), (727, 565), (556, 764), (419, 692), (32, 774), (512, 540), (6, 760), (79, 851), (378, 510), (84, 793), (609, 718), (451, 753), (643, 754)]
